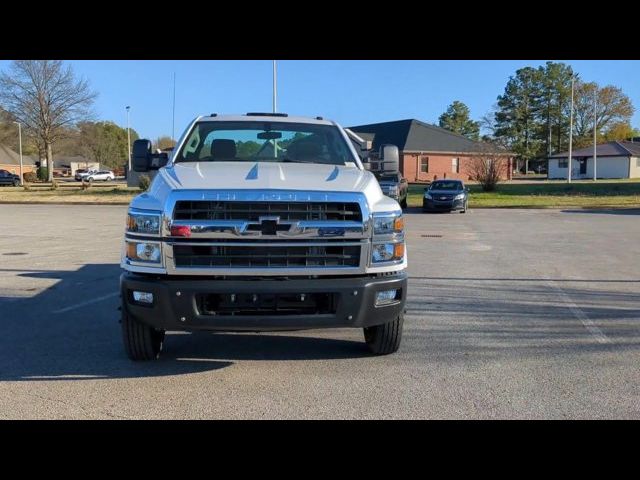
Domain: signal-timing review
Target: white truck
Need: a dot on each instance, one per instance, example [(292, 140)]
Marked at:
[(262, 222)]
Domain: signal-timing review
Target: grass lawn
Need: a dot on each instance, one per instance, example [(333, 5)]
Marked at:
[(549, 194), (544, 194), (115, 195)]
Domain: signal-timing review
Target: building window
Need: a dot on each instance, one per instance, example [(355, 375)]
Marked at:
[(455, 165), (424, 165), (563, 163)]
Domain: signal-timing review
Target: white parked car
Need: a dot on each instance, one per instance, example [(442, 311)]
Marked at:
[(104, 175)]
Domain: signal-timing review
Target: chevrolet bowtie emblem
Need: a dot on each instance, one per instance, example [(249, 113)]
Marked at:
[(270, 226)]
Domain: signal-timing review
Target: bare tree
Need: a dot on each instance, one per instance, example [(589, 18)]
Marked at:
[(489, 166), (46, 98)]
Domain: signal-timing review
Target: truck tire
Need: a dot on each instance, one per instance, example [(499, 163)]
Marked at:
[(384, 339), (403, 203), (16, 183), (141, 342)]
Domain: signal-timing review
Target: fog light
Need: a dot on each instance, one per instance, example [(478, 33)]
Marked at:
[(142, 297), (386, 297)]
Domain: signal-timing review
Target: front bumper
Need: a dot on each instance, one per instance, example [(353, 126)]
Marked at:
[(436, 205), (176, 305)]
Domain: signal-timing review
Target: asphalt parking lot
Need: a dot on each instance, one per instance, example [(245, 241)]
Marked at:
[(511, 314)]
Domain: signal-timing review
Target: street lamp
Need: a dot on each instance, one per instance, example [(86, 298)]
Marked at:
[(128, 138), (20, 143), (569, 166)]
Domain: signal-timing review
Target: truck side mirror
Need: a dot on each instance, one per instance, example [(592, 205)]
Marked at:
[(390, 159), (144, 160)]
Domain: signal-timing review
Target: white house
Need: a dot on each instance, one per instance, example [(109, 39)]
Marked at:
[(613, 160)]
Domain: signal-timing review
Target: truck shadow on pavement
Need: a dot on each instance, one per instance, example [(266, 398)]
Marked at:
[(71, 331)]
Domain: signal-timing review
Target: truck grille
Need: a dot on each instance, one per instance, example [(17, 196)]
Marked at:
[(264, 255), (252, 211)]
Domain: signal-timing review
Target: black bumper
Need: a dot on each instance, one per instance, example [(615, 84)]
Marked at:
[(177, 304), (435, 206)]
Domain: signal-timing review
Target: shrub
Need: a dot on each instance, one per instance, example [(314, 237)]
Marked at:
[(489, 168), (30, 177), (143, 182), (43, 173)]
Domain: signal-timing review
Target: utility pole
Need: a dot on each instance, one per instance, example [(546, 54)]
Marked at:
[(570, 134), (595, 129), (20, 147), (275, 88), (128, 139)]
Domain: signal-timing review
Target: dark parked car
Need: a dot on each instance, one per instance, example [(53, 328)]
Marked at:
[(445, 195), (394, 186), (8, 178)]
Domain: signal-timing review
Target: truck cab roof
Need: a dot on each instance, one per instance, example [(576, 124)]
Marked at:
[(261, 117)]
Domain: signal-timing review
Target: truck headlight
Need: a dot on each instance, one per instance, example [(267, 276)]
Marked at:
[(387, 224), (148, 252), (145, 223), (387, 252)]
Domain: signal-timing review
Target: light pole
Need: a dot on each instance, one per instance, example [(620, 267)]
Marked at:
[(20, 146), (595, 126), (570, 135), (128, 138)]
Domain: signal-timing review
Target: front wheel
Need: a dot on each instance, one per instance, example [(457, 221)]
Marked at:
[(384, 339), (141, 342), (16, 183), (464, 210), (403, 203)]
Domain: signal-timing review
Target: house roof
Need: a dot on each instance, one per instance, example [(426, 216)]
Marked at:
[(60, 162), (609, 149), (414, 135), (9, 157)]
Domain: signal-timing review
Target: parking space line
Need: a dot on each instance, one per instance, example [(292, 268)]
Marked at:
[(88, 302), (579, 314)]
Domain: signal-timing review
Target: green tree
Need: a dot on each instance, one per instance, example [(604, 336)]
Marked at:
[(104, 142), (163, 142), (45, 97), (457, 119), (517, 117), (614, 112), (555, 99)]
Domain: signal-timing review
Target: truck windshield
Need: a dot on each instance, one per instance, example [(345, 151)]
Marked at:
[(264, 142)]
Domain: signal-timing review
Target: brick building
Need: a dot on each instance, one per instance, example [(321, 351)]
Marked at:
[(426, 151), (10, 161)]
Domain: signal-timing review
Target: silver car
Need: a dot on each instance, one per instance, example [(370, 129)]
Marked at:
[(104, 175)]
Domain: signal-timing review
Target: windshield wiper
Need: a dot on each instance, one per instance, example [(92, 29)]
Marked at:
[(289, 160)]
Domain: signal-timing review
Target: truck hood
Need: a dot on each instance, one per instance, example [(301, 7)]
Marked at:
[(309, 177), (265, 175)]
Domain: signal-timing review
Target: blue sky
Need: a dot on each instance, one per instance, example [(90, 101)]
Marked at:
[(350, 92)]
